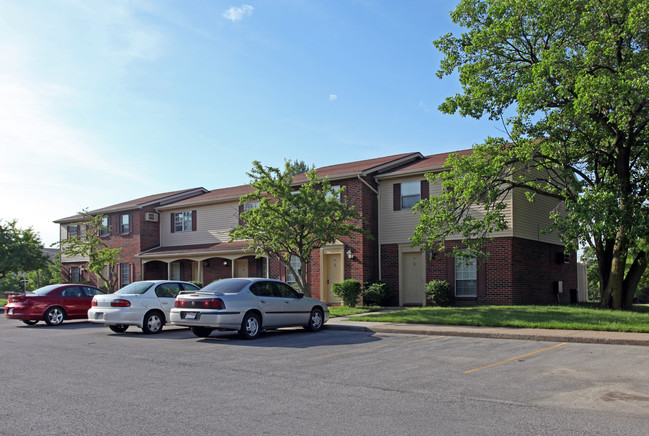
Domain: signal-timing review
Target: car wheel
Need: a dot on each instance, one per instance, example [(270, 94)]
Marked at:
[(54, 316), (152, 323), (119, 328), (30, 321), (316, 320), (251, 326), (202, 332)]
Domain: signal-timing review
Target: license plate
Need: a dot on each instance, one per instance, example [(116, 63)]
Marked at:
[(10, 311), (191, 315), (99, 315)]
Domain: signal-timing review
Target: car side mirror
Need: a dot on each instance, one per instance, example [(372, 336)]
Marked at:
[(300, 295)]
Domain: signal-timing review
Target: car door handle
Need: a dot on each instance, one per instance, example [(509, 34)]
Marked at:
[(262, 301)]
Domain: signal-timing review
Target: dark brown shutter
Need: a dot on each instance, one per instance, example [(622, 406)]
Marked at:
[(450, 271), (240, 212), (194, 220), (424, 189), (173, 222), (396, 196), (482, 278)]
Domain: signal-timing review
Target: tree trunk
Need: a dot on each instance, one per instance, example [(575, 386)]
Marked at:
[(615, 283), (633, 278)]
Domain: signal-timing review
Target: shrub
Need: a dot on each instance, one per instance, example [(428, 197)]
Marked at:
[(349, 291), (439, 293), (197, 283), (376, 294)]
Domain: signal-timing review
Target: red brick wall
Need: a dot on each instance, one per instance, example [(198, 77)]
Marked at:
[(517, 271)]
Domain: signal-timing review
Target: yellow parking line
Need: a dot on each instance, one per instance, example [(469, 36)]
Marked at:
[(514, 358), (373, 348)]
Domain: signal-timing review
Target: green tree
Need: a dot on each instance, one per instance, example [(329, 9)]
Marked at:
[(568, 79), (299, 167), (21, 250), (88, 243), (293, 220)]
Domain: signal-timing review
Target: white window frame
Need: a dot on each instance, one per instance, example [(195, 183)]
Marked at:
[(105, 230), (331, 194), (125, 223), (297, 266), (466, 277), (250, 205), (410, 194), (124, 274), (183, 221), (75, 274)]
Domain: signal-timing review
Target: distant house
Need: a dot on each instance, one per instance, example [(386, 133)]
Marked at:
[(192, 242)]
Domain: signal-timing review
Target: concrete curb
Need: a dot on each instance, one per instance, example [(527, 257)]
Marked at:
[(545, 335)]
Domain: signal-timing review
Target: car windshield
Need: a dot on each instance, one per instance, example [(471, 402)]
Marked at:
[(135, 288), (226, 286), (45, 289)]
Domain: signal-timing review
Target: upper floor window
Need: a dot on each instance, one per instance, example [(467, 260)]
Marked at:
[(407, 194), (124, 224), (466, 277), (183, 221), (104, 230), (251, 205), (332, 193), (72, 231), (410, 194)]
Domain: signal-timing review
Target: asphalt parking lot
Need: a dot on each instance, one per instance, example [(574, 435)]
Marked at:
[(80, 378)]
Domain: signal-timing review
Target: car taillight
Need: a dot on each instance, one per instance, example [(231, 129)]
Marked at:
[(214, 303), (120, 303), (94, 302), (177, 303)]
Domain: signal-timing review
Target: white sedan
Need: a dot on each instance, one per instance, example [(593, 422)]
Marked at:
[(143, 304), (247, 305)]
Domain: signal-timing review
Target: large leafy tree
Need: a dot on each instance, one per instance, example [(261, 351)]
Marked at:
[(21, 250), (102, 260), (568, 79), (293, 219)]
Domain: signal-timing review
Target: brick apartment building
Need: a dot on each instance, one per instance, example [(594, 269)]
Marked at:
[(184, 235)]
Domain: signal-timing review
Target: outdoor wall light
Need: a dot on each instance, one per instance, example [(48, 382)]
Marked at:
[(350, 255), (225, 262)]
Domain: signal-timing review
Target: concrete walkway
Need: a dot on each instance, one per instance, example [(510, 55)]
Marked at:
[(550, 335)]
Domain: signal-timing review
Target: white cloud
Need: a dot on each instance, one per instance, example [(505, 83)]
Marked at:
[(333, 97), (235, 14)]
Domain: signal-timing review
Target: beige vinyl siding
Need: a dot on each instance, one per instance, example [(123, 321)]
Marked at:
[(531, 218), (396, 227), (64, 237), (214, 221)]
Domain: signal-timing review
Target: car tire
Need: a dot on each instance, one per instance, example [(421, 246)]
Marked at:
[(316, 320), (153, 323), (202, 332), (54, 315), (118, 328), (30, 321), (250, 326)]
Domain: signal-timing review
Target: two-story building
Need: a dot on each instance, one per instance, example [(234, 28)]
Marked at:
[(525, 265)]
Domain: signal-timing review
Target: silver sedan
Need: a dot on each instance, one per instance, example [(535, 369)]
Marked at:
[(247, 305)]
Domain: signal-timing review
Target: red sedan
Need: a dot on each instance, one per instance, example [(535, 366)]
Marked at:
[(52, 304)]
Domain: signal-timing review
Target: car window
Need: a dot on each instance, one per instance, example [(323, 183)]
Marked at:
[(168, 290), (135, 288), (285, 291), (189, 287), (227, 286), (46, 289), (91, 292), (73, 291), (263, 289)]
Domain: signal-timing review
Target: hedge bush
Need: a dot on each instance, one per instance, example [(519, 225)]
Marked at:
[(376, 294), (439, 293), (348, 291)]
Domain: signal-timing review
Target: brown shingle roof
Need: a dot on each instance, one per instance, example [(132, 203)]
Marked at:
[(137, 203), (215, 195), (217, 248), (431, 162)]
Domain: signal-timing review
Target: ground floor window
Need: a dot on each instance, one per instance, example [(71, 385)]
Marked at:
[(466, 277), (124, 274), (74, 274), (297, 266)]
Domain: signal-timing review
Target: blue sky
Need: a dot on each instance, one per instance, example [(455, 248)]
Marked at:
[(105, 101)]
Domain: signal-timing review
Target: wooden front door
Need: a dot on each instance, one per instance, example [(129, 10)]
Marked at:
[(241, 268), (333, 274)]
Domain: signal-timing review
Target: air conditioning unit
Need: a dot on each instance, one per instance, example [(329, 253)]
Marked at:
[(151, 216)]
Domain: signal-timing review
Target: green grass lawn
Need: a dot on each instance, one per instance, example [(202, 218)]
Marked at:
[(335, 311), (578, 317)]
